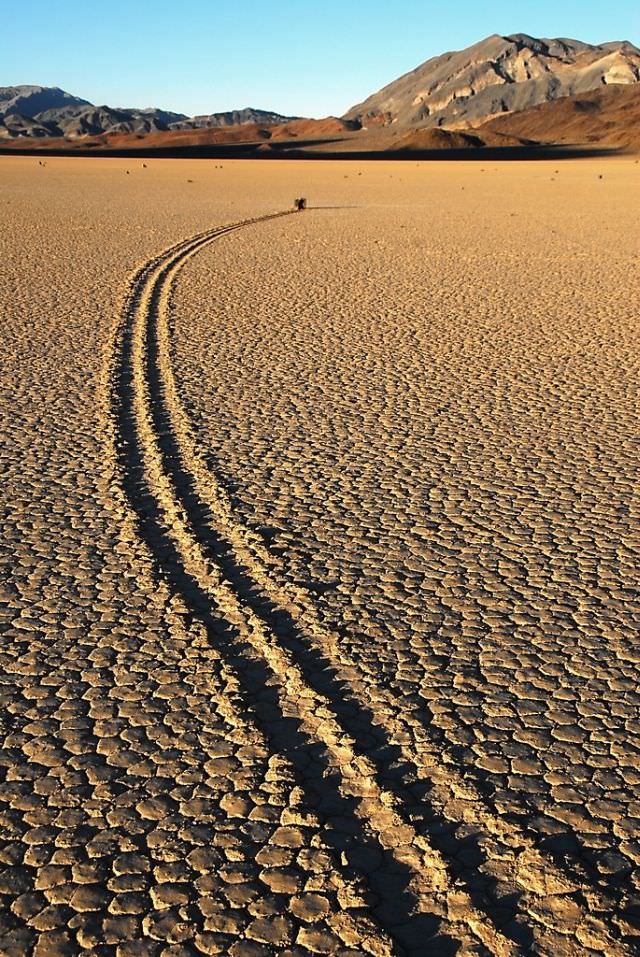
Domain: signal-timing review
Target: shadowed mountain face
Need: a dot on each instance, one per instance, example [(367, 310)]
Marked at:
[(498, 75), (34, 111)]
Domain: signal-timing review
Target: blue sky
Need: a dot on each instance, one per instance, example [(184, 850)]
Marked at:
[(310, 58)]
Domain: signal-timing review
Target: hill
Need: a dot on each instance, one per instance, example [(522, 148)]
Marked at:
[(609, 116)]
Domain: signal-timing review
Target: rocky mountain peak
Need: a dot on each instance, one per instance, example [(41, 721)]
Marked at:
[(500, 74)]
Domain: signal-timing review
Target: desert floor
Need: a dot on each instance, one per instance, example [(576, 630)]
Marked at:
[(319, 558)]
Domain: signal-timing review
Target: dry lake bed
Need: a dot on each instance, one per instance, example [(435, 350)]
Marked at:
[(320, 557)]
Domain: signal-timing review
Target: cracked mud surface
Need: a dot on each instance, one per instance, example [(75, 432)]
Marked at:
[(320, 539)]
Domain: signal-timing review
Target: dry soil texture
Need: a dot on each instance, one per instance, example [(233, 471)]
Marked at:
[(320, 556)]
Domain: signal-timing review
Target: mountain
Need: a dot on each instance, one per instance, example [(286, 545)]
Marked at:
[(13, 125), (435, 138), (164, 118), (609, 116), (234, 118), (497, 75), (74, 122), (31, 100), (503, 91), (36, 111)]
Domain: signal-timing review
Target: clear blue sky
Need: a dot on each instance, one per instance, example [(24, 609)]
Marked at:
[(309, 58)]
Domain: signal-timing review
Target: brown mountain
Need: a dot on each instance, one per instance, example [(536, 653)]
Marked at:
[(609, 116), (498, 75)]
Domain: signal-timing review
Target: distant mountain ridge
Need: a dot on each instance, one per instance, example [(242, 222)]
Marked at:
[(501, 74), (235, 118), (36, 111)]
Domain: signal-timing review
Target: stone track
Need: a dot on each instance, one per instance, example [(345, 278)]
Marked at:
[(375, 775)]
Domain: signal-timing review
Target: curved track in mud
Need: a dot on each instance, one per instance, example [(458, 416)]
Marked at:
[(401, 806)]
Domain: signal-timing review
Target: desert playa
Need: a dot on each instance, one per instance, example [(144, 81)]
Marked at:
[(320, 558)]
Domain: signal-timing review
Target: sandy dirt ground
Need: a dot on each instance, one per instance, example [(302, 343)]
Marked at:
[(319, 558)]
